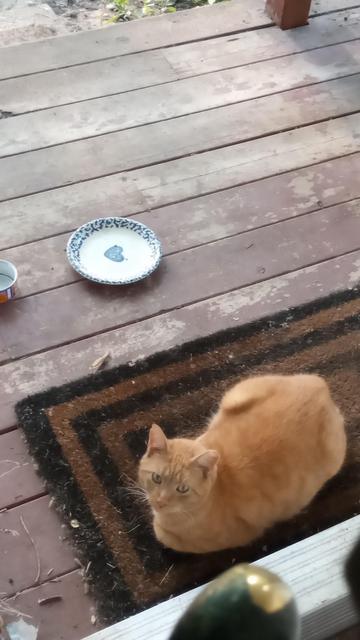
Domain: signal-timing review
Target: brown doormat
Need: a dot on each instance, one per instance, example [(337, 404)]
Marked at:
[(87, 438)]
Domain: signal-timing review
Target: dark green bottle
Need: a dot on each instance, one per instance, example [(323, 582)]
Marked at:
[(244, 603)]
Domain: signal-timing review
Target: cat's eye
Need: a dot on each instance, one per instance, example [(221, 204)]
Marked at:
[(182, 488), (156, 478)]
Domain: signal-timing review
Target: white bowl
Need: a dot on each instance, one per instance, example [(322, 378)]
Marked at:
[(114, 251)]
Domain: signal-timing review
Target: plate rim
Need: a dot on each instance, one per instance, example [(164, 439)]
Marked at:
[(74, 264)]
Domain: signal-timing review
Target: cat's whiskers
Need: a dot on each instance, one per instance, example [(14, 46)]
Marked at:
[(130, 480), (140, 496)]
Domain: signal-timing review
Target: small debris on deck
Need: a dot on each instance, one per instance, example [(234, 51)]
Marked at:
[(49, 600), (100, 363)]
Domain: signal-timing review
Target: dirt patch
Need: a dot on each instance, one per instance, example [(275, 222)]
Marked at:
[(27, 20)]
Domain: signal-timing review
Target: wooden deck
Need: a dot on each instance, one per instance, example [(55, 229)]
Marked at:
[(239, 144)]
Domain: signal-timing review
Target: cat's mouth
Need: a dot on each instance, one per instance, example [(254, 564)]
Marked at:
[(159, 508), (164, 508)]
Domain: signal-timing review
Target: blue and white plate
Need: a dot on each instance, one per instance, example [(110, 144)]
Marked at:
[(114, 251)]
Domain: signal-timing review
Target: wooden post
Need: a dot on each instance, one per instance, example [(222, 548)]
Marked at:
[(289, 13)]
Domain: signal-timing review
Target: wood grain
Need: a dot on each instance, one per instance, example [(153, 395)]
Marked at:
[(241, 163), (44, 214), (126, 73), (262, 44), (82, 309), (329, 6), (154, 104), (181, 178), (132, 37), (140, 339), (67, 619), (34, 217), (251, 149), (18, 482), (19, 565), (191, 232), (289, 14)]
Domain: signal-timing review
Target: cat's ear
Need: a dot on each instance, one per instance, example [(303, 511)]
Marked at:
[(157, 442), (206, 461)]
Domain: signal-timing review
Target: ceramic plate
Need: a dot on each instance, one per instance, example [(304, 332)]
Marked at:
[(114, 251)]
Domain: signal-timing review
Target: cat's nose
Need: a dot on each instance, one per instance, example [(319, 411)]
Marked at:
[(161, 502)]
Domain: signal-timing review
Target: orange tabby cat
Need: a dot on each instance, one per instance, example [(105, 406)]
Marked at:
[(271, 446)]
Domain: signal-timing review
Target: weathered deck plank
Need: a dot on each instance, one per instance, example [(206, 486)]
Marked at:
[(69, 362), (132, 37), (166, 102), (118, 75), (19, 563), (189, 234), (182, 178), (81, 309), (18, 482), (234, 165), (288, 14), (329, 6), (263, 44), (231, 145), (66, 619), (35, 217)]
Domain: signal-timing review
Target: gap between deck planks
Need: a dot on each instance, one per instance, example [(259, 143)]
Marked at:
[(144, 338), (122, 117), (20, 564), (291, 194), (301, 104), (18, 482), (163, 31), (182, 178), (66, 619), (176, 325), (240, 306), (34, 217), (309, 281), (83, 309), (122, 74), (69, 362), (339, 173), (231, 234), (132, 37)]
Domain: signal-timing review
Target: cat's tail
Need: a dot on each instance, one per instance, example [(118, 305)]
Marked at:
[(245, 394)]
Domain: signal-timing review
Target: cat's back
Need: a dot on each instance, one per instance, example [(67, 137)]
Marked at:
[(272, 408), (274, 427), (274, 393)]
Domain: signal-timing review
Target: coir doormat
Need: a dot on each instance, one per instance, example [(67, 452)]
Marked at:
[(87, 438)]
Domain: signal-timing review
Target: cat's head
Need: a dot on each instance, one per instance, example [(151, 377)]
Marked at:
[(176, 474)]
